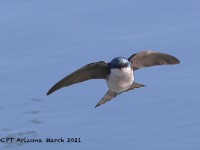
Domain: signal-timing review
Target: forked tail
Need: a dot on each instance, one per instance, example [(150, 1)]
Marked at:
[(110, 94)]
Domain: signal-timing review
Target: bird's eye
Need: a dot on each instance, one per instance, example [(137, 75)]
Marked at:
[(116, 66)]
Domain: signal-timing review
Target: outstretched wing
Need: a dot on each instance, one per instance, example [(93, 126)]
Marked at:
[(96, 70), (151, 58)]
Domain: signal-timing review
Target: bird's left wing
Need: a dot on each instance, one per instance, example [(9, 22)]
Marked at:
[(96, 70), (150, 58)]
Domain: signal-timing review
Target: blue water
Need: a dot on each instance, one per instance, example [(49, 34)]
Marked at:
[(43, 41)]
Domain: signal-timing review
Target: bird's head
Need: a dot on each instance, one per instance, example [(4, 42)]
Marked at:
[(119, 62)]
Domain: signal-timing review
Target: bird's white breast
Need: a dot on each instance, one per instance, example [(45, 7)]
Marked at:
[(120, 80)]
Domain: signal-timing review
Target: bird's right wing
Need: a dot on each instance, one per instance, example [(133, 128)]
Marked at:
[(96, 70)]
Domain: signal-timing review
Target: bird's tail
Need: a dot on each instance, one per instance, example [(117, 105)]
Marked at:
[(135, 85), (110, 94), (107, 97)]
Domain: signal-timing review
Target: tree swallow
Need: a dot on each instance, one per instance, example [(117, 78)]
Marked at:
[(119, 73)]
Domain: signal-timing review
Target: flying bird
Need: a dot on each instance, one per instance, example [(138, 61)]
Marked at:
[(118, 73)]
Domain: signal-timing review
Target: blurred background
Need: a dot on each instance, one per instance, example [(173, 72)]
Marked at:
[(43, 41)]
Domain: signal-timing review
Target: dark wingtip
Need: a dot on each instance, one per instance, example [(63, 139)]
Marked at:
[(173, 60), (178, 61), (49, 92)]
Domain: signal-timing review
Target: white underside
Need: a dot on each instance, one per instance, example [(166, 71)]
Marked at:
[(120, 80)]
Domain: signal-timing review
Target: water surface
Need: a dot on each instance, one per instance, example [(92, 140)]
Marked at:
[(43, 41)]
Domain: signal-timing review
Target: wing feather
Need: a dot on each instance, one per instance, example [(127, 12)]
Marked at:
[(151, 58), (96, 70)]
